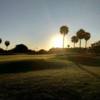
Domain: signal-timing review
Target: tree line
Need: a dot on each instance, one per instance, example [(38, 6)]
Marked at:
[(80, 34)]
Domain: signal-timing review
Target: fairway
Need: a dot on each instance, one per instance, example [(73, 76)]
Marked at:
[(48, 77)]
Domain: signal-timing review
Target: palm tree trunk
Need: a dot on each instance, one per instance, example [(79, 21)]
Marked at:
[(74, 45), (6, 48), (63, 40), (85, 44), (80, 43)]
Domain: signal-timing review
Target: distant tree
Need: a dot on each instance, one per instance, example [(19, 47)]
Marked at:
[(80, 34), (74, 39), (86, 37), (64, 30), (21, 48), (42, 51), (7, 43), (68, 46), (0, 40)]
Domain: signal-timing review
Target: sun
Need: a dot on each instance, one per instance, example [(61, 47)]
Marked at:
[(57, 41)]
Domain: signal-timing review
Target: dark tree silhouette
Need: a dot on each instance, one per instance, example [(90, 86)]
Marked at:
[(42, 51), (64, 30), (68, 46), (20, 48), (74, 39), (86, 37), (80, 34), (7, 43), (0, 40)]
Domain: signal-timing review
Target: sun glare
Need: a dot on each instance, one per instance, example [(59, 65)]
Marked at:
[(57, 41)]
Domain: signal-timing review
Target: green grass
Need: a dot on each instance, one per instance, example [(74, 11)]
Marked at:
[(47, 77)]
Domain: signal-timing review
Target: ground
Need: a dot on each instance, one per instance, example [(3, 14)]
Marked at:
[(49, 77)]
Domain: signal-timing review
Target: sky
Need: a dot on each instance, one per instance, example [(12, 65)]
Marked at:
[(36, 22)]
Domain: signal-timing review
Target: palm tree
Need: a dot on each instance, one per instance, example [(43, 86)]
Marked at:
[(80, 34), (0, 40), (7, 43), (64, 30), (74, 39), (86, 37)]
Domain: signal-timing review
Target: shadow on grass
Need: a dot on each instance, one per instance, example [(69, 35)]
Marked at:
[(88, 71), (78, 60), (85, 60), (28, 65)]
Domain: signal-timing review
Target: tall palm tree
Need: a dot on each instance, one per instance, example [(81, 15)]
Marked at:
[(7, 43), (74, 39), (86, 37), (80, 34), (64, 30), (0, 40)]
